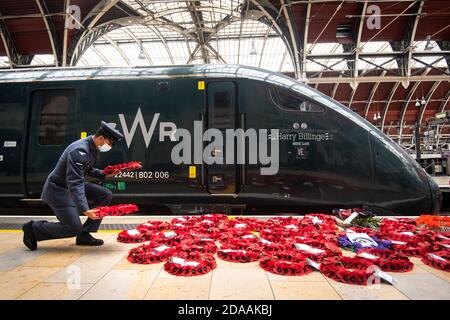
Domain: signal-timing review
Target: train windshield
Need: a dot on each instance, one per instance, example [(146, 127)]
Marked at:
[(288, 100)]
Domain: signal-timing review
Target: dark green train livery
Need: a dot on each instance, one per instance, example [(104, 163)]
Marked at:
[(329, 157)]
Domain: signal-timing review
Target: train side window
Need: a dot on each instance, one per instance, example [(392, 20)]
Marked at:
[(53, 117), (222, 111), (290, 101)]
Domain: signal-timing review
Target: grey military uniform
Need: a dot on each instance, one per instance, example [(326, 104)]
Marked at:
[(66, 192)]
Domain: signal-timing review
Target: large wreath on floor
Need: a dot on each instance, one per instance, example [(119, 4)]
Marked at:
[(296, 265), (347, 270), (238, 255), (319, 244), (153, 226), (241, 242), (200, 246), (314, 253), (386, 260), (275, 234), (410, 249), (270, 247), (188, 264), (150, 253), (131, 236), (439, 260)]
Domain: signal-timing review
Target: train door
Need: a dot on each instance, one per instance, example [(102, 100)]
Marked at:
[(51, 128), (221, 115)]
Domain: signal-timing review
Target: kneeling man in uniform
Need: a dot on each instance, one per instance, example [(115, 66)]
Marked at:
[(67, 194)]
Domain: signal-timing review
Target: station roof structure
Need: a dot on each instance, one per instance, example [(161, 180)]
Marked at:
[(387, 60)]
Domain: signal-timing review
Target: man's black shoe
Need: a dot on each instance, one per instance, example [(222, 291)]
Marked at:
[(29, 240), (86, 239)]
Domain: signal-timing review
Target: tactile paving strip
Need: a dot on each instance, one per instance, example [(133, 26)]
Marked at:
[(105, 226)]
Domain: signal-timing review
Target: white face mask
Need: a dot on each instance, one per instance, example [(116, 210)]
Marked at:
[(104, 148)]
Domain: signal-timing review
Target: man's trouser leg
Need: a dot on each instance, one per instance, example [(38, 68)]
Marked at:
[(99, 196), (69, 225)]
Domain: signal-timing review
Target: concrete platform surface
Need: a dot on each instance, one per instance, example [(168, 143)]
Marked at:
[(61, 270)]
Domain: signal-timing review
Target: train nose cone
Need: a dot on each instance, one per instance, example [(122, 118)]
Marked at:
[(436, 196)]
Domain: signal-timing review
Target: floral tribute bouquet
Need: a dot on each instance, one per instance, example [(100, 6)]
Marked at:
[(436, 223)]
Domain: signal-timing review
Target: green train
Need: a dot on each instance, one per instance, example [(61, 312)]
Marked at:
[(295, 149)]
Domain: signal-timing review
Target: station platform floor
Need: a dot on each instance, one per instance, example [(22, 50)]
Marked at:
[(61, 270)]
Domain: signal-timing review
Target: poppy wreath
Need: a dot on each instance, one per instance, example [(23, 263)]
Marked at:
[(179, 227), (322, 216), (237, 230), (443, 237), (286, 268), (439, 260), (289, 231), (439, 246), (388, 260), (237, 255), (347, 270), (130, 236), (241, 242), (193, 255), (204, 224), (258, 225), (370, 232), (319, 221), (210, 231), (322, 244), (204, 241), (329, 236), (197, 246), (312, 235), (215, 217), (122, 167), (255, 247), (150, 253), (174, 240), (246, 220), (438, 242), (196, 264), (200, 237), (283, 221), (275, 234), (117, 210), (288, 255), (185, 220), (306, 229), (232, 233), (153, 226), (397, 225), (409, 249), (405, 236), (270, 247), (326, 253), (153, 236)]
